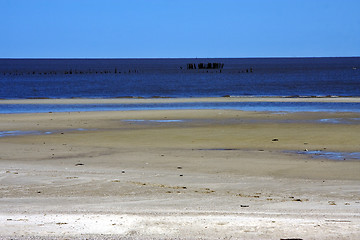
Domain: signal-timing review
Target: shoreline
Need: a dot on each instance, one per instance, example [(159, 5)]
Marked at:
[(177, 100), (250, 104)]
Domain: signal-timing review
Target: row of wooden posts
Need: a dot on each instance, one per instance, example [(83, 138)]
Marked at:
[(205, 66), (70, 72), (189, 66)]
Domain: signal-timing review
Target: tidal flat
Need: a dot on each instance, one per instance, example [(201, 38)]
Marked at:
[(178, 174)]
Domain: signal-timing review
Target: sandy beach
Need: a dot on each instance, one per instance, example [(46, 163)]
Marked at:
[(178, 174)]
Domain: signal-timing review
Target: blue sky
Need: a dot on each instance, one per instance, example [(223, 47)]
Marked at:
[(186, 28)]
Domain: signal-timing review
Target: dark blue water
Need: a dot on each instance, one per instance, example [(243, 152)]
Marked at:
[(111, 78)]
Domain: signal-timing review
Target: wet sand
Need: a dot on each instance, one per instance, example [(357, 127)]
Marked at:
[(211, 174)]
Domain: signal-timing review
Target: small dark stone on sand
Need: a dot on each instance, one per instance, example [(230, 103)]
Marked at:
[(244, 205), (275, 140), (79, 164)]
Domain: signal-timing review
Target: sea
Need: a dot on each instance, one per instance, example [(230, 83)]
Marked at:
[(180, 78)]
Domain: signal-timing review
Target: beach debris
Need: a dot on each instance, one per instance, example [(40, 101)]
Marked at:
[(244, 206), (18, 220), (181, 175), (122, 171), (61, 223), (179, 167), (275, 140), (331, 202), (334, 220), (79, 164), (207, 190), (291, 239)]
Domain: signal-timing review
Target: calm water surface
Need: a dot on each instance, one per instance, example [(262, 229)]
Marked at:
[(114, 78), (110, 78)]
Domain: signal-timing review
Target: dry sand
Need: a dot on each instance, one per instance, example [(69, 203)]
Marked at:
[(212, 174)]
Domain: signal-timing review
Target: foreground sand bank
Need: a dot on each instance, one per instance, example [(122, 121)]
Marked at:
[(214, 174)]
